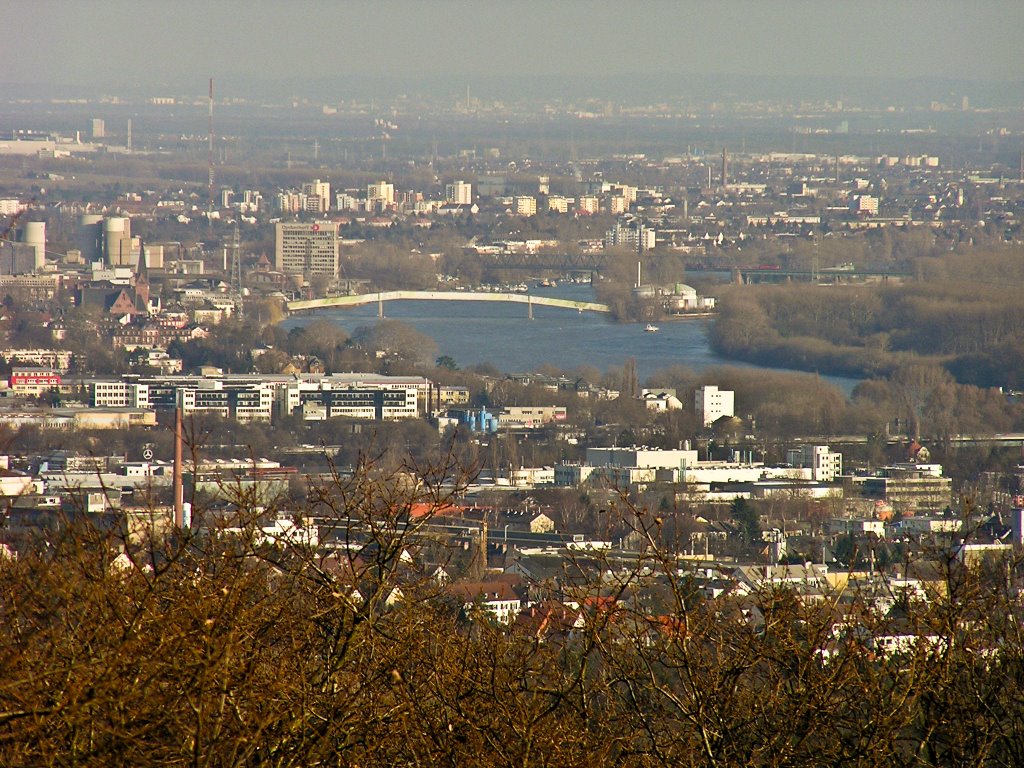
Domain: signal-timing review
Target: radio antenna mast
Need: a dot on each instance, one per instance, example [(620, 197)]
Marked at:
[(210, 147), (236, 273)]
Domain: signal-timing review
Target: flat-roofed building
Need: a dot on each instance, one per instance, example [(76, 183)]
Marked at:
[(909, 490), (826, 465), (307, 248), (320, 193), (711, 403), (33, 381), (459, 192), (357, 402), (118, 394), (525, 206), (643, 458), (241, 401), (381, 194), (530, 415)]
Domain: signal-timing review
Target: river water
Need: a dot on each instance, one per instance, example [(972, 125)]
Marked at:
[(501, 334)]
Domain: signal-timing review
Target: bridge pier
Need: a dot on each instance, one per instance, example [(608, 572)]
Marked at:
[(529, 307)]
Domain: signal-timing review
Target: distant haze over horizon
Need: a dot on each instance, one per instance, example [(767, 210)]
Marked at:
[(511, 49)]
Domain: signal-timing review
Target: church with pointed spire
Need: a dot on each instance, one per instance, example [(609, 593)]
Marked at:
[(123, 302)]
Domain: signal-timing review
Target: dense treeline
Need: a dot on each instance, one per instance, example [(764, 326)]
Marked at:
[(974, 329), (222, 650), (923, 400)]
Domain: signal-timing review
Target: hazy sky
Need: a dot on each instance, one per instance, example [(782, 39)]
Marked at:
[(174, 42)]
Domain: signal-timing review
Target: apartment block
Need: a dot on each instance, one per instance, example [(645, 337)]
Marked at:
[(459, 192)]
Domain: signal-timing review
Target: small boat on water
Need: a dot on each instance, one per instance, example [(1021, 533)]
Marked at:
[(650, 328)]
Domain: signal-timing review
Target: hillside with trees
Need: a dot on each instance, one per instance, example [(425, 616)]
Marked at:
[(229, 649)]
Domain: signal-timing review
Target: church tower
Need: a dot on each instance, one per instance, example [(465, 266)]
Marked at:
[(141, 281)]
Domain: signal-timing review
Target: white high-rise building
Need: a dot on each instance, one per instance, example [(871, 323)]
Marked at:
[(321, 192), (825, 465), (634, 236), (864, 204), (382, 193), (344, 201), (711, 403), (307, 248), (252, 201), (525, 206), (460, 193), (290, 202), (558, 204)]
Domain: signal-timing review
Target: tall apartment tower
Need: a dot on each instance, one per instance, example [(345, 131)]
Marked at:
[(711, 403), (525, 206), (307, 248), (321, 190), (825, 465), (460, 193), (99, 128), (381, 193)]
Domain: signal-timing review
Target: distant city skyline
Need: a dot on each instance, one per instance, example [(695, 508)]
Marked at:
[(151, 45)]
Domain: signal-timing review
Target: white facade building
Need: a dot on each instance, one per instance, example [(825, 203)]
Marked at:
[(243, 402), (320, 192), (380, 194), (711, 403), (119, 394), (525, 206), (864, 204), (825, 465), (318, 400), (642, 458), (11, 205), (460, 192), (637, 237), (58, 359)]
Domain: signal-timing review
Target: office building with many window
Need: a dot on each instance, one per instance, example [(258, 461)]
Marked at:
[(307, 248)]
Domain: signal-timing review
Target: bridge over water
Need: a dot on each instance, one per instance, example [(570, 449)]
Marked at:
[(338, 302)]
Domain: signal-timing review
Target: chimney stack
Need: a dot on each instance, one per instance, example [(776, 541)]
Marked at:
[(177, 480)]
